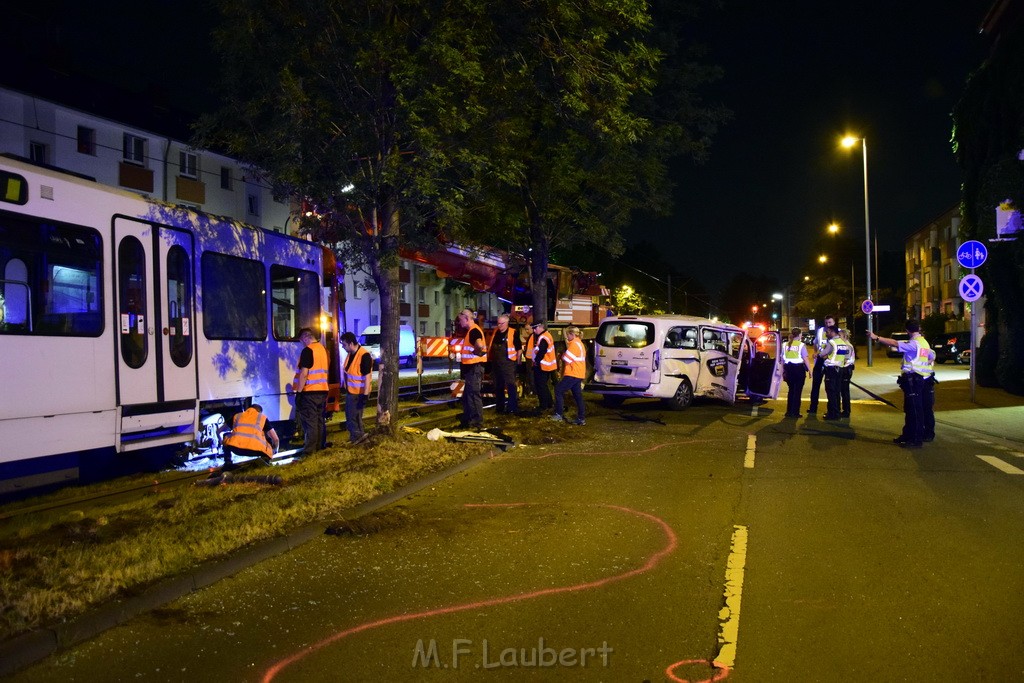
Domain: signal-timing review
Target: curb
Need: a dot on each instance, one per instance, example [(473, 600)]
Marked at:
[(34, 646)]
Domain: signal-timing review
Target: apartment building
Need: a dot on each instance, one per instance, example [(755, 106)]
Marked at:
[(933, 273)]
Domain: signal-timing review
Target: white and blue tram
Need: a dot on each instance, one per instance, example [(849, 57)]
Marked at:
[(125, 323)]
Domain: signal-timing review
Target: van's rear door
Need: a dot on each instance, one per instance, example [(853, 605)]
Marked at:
[(627, 354), (765, 377)]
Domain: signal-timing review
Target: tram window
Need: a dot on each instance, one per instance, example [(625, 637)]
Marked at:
[(234, 298), (131, 281), (179, 306), (50, 278), (295, 300)]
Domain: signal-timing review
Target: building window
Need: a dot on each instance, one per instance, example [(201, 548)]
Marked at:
[(225, 177), (404, 293), (437, 297), (134, 149), (39, 152), (86, 140), (437, 329), (948, 274), (356, 290), (253, 204), (188, 165), (423, 295), (927, 278)]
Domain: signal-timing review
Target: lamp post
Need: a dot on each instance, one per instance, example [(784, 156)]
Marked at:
[(834, 228), (848, 142)]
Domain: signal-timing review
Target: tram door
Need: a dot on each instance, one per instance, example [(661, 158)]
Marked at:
[(154, 315)]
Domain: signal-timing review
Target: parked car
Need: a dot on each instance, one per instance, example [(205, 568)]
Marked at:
[(893, 352), (952, 346)]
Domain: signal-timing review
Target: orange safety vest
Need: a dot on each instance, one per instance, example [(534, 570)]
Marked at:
[(467, 356), (356, 383), (247, 432), (316, 378), (575, 359), (510, 345), (548, 362)]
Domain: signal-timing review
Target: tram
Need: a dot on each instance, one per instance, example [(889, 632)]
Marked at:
[(126, 323)]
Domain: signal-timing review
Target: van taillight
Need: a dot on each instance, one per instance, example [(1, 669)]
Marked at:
[(657, 359)]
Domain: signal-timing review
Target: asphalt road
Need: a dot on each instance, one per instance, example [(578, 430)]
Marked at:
[(658, 543)]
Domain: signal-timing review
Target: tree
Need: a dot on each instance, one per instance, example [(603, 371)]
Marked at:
[(570, 168), (360, 110), (989, 127)]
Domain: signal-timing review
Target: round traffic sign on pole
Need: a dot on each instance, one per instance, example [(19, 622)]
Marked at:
[(971, 288), (971, 254), (867, 306)]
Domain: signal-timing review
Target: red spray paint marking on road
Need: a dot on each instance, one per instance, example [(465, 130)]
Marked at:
[(721, 674), (671, 542)]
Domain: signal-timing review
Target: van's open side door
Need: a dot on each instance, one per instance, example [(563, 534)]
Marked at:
[(765, 375)]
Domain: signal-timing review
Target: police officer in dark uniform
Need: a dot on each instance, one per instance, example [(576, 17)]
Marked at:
[(818, 373)]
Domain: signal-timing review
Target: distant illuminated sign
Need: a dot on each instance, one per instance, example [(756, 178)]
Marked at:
[(13, 188)]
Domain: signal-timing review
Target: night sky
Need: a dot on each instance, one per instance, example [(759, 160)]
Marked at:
[(798, 74)]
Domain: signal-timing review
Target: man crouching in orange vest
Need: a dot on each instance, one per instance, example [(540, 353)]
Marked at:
[(249, 436)]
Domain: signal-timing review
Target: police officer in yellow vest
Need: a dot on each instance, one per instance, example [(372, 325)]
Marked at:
[(358, 371), (917, 370), (574, 372), (310, 387), (472, 356), (795, 370), (846, 376), (834, 357), (251, 436)]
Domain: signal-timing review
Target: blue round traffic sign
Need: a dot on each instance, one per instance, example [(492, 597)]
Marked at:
[(867, 306), (971, 288), (971, 254)]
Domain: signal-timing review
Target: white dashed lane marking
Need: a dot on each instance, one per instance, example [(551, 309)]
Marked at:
[(1000, 465)]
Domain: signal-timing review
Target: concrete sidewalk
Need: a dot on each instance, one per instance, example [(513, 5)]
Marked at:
[(993, 412)]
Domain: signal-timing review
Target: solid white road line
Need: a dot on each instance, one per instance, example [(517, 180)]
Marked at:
[(748, 459), (1000, 465)]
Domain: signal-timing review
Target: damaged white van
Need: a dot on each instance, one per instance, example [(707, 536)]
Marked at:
[(676, 358)]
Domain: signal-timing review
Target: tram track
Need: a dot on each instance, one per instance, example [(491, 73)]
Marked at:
[(415, 410)]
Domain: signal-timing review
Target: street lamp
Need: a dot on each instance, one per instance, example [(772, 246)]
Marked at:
[(782, 313), (848, 142)]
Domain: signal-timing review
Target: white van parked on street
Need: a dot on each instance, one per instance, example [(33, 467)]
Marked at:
[(676, 358), (370, 340)]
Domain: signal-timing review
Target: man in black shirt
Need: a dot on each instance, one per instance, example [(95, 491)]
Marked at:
[(506, 350)]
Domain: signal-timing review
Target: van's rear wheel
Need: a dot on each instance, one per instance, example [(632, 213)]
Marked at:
[(609, 401), (683, 396)]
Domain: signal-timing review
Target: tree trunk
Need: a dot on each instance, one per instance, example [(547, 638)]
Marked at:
[(384, 267), (540, 246)]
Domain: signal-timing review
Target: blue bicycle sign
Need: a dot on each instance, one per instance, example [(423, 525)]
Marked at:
[(971, 254)]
